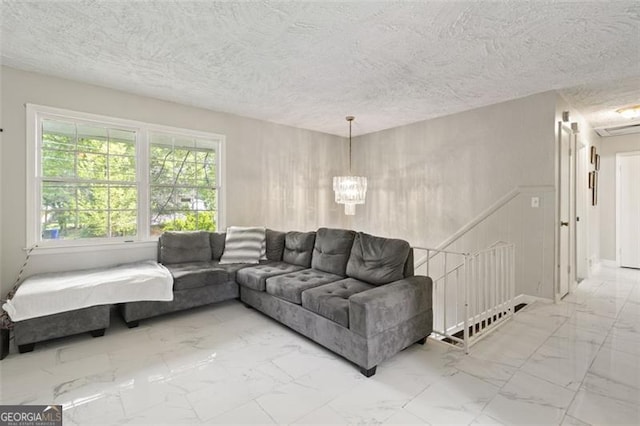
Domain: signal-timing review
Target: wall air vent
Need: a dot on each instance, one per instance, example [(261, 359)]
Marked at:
[(627, 129)]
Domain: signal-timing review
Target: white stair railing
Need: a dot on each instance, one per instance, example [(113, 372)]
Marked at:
[(473, 293)]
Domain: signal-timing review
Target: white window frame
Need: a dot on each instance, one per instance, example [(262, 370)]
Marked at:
[(37, 113)]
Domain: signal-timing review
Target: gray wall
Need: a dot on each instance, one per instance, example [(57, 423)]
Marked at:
[(277, 176), (610, 146), (428, 179)]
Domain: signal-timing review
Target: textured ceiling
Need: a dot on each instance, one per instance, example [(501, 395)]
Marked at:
[(310, 64), (599, 102)]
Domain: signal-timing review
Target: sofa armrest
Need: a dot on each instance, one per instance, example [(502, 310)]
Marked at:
[(381, 308)]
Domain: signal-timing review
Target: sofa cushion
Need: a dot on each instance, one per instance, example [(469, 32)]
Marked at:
[(298, 248), (243, 244), (331, 250), (275, 244), (217, 244), (290, 286), (191, 275), (377, 260), (332, 300), (179, 247), (255, 277)]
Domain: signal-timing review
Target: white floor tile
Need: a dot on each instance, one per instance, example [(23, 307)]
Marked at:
[(324, 415), (457, 399), (174, 410), (528, 400), (572, 363), (596, 409), (562, 361), (615, 374), (247, 414), (403, 417)]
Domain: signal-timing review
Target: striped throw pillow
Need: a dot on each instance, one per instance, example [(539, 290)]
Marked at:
[(243, 245)]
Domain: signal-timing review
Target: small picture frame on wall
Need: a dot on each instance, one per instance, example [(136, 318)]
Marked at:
[(594, 190), (598, 162), (591, 179), (593, 155)]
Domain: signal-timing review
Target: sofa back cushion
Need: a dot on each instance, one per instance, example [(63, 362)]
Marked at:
[(217, 244), (243, 245), (331, 250), (298, 248), (179, 247), (275, 244), (377, 260), (409, 265)]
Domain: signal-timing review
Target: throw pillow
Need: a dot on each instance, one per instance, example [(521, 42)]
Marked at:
[(243, 245)]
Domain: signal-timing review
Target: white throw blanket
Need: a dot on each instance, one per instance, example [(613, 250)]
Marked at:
[(52, 293)]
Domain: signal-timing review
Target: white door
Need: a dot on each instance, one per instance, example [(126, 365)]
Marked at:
[(628, 207), (581, 160), (565, 210)]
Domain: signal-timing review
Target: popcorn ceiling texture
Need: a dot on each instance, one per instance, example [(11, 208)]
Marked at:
[(599, 102), (310, 64)]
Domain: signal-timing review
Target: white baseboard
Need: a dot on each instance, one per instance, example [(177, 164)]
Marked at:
[(528, 299), (608, 263), (596, 264)]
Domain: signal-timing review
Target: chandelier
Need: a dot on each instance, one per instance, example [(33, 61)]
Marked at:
[(350, 190)]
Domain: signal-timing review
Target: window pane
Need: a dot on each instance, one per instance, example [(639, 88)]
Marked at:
[(122, 135), (206, 199), (92, 166), (207, 221), (58, 135), (161, 139), (183, 142), (186, 199), (58, 224), (92, 197), (92, 138), (123, 198), (119, 147), (161, 169), (92, 223), (124, 223), (57, 196), (58, 163), (52, 141), (183, 194), (206, 172), (184, 167), (122, 169), (162, 199)]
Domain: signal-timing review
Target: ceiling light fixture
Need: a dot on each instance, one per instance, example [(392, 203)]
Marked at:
[(350, 190), (630, 112)]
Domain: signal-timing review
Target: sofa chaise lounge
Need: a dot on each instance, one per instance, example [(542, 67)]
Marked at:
[(354, 293)]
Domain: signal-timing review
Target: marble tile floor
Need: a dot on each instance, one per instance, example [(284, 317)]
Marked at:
[(572, 363)]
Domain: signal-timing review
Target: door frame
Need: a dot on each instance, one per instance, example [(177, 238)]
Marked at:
[(572, 130), (581, 208), (617, 176)]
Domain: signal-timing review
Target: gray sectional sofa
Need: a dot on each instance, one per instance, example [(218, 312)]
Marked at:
[(354, 293)]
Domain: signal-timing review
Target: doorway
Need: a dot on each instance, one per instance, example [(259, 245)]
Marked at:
[(582, 202), (566, 226), (628, 209)]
